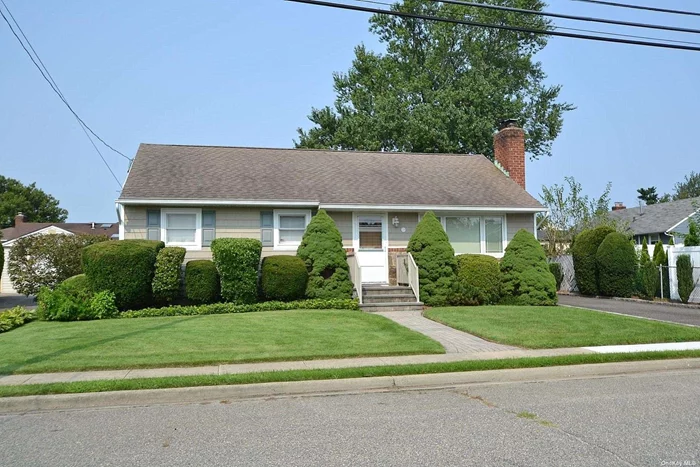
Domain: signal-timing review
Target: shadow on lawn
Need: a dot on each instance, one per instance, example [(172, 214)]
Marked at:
[(10, 369)]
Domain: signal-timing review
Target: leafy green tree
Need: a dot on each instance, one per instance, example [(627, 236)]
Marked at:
[(692, 238), (648, 195), (435, 258), (35, 204), (47, 260), (688, 188), (322, 250), (442, 87)]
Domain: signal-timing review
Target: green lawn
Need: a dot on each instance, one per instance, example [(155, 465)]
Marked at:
[(198, 340), (552, 327)]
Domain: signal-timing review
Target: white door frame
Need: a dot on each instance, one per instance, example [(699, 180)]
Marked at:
[(385, 236)]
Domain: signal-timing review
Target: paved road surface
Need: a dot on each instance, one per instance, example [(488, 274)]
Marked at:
[(644, 419), (645, 310), (11, 300)]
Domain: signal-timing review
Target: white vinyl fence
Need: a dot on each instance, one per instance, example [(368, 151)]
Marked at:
[(673, 254), (568, 284)]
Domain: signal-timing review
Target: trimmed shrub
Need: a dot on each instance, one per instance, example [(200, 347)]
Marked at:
[(166, 280), (73, 300), (555, 269), (647, 274), (226, 308), (481, 274), (15, 317), (201, 281), (322, 251), (2, 256), (525, 275), (47, 260), (584, 252), (435, 258), (237, 260), (283, 278), (616, 261), (660, 258), (684, 274), (123, 267)]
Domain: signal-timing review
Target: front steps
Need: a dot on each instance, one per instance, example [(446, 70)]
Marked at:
[(389, 298)]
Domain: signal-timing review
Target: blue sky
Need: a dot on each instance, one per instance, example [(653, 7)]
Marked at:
[(246, 73)]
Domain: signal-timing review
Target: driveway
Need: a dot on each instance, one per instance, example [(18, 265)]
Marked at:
[(658, 311), (11, 300)]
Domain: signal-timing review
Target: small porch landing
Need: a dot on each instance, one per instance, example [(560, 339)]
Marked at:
[(384, 297)]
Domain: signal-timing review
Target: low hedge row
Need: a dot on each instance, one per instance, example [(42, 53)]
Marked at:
[(15, 317), (225, 308)]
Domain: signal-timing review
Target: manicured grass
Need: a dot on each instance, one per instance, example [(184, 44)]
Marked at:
[(199, 340), (307, 375), (552, 327)]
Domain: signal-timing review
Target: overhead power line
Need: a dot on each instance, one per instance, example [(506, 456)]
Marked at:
[(592, 31), (663, 45), (641, 7), (49, 78), (572, 17)]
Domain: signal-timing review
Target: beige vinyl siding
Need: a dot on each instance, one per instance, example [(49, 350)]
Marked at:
[(135, 222), (407, 220), (515, 222), (5, 282), (343, 220)]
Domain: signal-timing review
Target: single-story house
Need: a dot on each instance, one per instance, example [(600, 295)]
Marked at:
[(23, 229), (659, 222), (189, 195)]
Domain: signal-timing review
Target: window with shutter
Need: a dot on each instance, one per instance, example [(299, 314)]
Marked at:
[(266, 228), (208, 227), (153, 224)]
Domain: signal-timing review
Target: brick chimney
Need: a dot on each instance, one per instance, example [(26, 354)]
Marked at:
[(19, 219), (509, 150), (619, 205)]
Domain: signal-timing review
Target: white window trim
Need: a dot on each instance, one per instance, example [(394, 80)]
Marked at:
[(197, 244), (482, 231), (276, 227)]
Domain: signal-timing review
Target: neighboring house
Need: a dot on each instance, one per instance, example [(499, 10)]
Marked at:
[(658, 222), (189, 195), (24, 229)]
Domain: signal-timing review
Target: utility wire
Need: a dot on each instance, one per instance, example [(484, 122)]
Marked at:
[(641, 7), (342, 6), (592, 31), (59, 93), (51, 81), (572, 17)]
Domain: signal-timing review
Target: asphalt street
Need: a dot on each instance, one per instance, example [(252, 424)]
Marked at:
[(642, 419), (653, 310)]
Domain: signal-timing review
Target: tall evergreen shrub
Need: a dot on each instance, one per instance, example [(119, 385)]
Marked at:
[(616, 260), (525, 275), (584, 252), (648, 275), (435, 258), (693, 236), (325, 258), (660, 258), (684, 274)]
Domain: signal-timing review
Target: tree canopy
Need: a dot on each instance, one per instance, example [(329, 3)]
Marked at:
[(648, 195), (34, 203), (688, 188), (442, 87)]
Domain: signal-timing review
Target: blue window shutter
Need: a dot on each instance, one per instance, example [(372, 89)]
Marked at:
[(266, 227), (153, 224), (208, 227)]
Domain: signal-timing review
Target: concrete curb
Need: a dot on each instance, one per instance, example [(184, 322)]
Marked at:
[(210, 394)]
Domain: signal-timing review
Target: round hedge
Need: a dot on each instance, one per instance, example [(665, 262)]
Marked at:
[(237, 260), (123, 267), (201, 281), (435, 258), (283, 278), (326, 261), (481, 273), (616, 261), (525, 275), (584, 252)]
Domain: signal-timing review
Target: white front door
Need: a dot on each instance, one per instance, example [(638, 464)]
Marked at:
[(370, 243)]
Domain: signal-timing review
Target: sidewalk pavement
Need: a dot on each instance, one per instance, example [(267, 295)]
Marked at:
[(41, 378)]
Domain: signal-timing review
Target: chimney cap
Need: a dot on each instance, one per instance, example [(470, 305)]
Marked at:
[(19, 218), (508, 123)]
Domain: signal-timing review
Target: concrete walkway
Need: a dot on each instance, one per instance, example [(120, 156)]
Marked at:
[(41, 378), (452, 340)]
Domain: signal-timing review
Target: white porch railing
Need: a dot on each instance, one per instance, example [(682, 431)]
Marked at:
[(355, 276), (407, 273)]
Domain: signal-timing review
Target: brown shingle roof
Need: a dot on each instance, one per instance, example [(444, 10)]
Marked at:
[(328, 177), (26, 228)]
